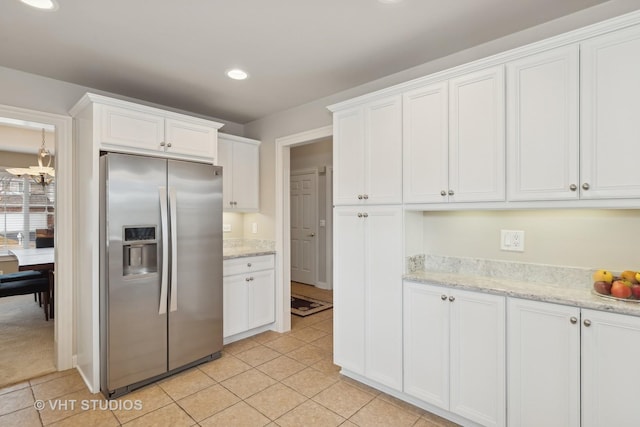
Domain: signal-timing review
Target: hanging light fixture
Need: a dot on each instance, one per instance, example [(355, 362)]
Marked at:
[(40, 174)]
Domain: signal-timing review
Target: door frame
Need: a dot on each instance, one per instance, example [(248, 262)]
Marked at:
[(283, 219), (310, 171), (64, 247)]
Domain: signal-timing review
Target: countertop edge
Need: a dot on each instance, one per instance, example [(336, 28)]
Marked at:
[(571, 296), (233, 254)]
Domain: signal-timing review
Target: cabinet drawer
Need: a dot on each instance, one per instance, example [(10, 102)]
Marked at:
[(247, 265)]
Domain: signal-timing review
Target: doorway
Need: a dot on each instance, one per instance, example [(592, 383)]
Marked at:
[(283, 220), (61, 199), (27, 213)]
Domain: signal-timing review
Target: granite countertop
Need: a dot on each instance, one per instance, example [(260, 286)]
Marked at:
[(574, 296), (245, 251), (553, 284)]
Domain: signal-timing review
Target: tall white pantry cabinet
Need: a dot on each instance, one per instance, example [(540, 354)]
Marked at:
[(368, 255)]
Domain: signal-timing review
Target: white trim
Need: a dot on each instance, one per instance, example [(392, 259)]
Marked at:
[(575, 36), (283, 222), (64, 262)]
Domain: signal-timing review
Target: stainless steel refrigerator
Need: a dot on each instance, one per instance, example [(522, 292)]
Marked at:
[(160, 268)]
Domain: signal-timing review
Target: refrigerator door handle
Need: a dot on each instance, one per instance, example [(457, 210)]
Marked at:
[(173, 304), (165, 250)]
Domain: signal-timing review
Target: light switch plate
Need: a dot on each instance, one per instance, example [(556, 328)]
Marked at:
[(226, 228), (512, 240)]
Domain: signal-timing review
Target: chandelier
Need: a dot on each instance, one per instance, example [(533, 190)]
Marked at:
[(41, 174)]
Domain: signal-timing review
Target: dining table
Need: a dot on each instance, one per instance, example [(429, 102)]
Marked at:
[(34, 258)]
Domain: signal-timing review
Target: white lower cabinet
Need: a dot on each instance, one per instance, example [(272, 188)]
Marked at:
[(610, 380), (368, 267), (543, 356), (571, 367), (249, 294), (454, 351)]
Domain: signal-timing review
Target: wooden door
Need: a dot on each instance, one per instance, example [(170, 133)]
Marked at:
[(304, 227)]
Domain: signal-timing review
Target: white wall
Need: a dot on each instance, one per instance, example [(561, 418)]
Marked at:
[(589, 238), (315, 115)]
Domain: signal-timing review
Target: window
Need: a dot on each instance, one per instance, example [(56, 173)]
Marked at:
[(26, 208)]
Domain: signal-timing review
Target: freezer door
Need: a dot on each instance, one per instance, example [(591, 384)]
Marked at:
[(195, 294), (136, 347)]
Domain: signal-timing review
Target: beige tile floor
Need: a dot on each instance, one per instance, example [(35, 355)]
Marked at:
[(270, 379)]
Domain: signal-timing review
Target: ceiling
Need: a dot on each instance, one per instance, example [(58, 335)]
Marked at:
[(176, 52)]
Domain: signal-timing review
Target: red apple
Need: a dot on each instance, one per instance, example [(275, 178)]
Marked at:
[(635, 291), (620, 290), (602, 287)]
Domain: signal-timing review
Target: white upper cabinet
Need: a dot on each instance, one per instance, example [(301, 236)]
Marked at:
[(368, 153), (610, 121), (240, 160), (425, 135), (132, 128), (543, 126), (453, 136), (476, 137), (192, 139)]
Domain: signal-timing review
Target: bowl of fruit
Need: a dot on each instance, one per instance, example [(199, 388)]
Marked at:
[(625, 287)]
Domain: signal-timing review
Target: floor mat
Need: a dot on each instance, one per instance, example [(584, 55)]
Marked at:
[(305, 306)]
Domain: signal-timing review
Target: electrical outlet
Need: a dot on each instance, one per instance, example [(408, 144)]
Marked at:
[(254, 228), (512, 240), (226, 228)]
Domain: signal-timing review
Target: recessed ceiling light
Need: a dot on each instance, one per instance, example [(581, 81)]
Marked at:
[(42, 4), (237, 74)]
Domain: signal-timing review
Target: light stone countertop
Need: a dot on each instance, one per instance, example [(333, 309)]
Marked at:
[(244, 251), (570, 294)]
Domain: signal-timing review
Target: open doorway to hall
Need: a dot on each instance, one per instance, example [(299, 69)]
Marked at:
[(311, 204)]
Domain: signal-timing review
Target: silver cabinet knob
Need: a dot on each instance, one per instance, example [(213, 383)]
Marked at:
[(248, 264), (443, 193), (359, 196), (251, 278), (452, 298), (161, 143), (359, 215), (586, 186), (366, 196), (587, 322), (443, 297), (168, 144), (451, 192), (366, 215), (312, 234), (573, 187), (247, 279), (573, 320)]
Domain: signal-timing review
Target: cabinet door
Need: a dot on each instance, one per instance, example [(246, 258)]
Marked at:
[(349, 289), (478, 362), (543, 126), (131, 129), (225, 159), (425, 129), (348, 157), (610, 107), (426, 343), (246, 175), (476, 145), (610, 350), (544, 385), (261, 299), (383, 156), (383, 294), (235, 308), (191, 139)]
